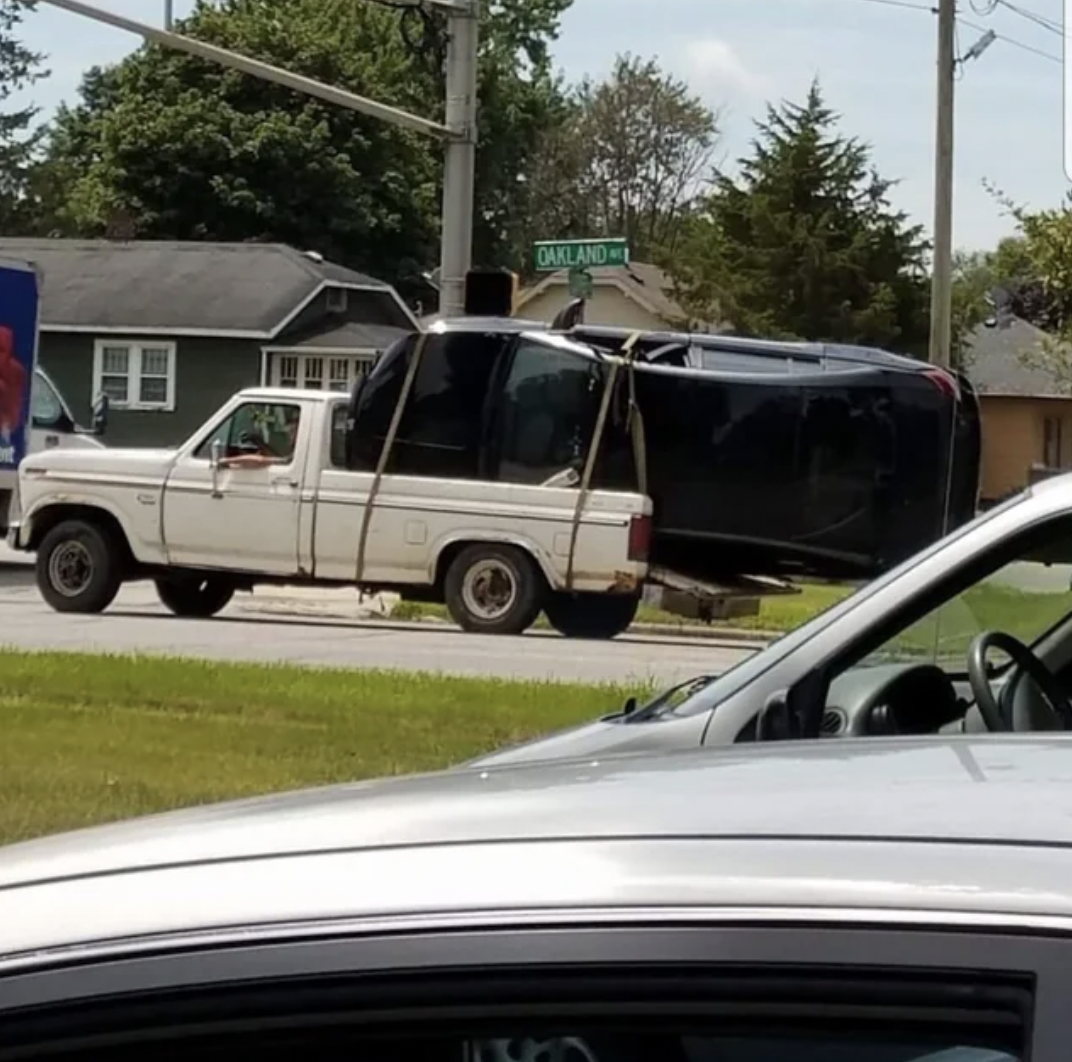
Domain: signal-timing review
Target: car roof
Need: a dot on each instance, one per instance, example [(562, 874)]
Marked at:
[(950, 825), (992, 789)]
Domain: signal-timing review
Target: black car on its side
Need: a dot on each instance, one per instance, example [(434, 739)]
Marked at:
[(761, 458)]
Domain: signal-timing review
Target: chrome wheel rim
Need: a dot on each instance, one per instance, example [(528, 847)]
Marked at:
[(70, 569), (489, 590)]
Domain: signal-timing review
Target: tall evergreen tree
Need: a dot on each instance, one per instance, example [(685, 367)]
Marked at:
[(803, 242), (19, 68)]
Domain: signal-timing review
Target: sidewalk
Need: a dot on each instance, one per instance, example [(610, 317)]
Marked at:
[(344, 603)]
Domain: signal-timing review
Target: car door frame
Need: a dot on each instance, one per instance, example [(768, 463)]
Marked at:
[(785, 941), (189, 474)]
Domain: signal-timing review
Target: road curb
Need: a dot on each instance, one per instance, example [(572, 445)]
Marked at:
[(290, 607)]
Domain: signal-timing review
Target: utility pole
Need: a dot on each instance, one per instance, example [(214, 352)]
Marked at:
[(459, 131), (942, 264), (459, 171), (169, 15)]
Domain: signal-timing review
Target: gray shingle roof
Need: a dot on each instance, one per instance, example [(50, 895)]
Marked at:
[(215, 288), (342, 335), (996, 364)]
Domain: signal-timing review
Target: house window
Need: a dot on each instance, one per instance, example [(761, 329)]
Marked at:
[(314, 372), (135, 375), (336, 300), (1056, 442)]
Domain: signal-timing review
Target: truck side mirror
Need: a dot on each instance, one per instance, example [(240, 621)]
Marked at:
[(101, 409)]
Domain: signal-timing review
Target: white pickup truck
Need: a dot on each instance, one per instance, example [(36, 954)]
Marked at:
[(262, 493)]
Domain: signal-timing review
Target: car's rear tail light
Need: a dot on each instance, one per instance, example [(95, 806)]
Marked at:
[(945, 382), (639, 538)]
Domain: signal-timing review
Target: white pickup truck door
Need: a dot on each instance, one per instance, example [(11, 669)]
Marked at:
[(250, 523)]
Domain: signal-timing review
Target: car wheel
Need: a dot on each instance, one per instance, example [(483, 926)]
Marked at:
[(591, 615), (195, 597), (78, 567), (494, 589)]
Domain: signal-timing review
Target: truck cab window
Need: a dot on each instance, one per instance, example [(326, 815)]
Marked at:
[(546, 413), (442, 428), (265, 429), (46, 409)]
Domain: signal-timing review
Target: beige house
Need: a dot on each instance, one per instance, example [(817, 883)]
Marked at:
[(1026, 414), (635, 296)]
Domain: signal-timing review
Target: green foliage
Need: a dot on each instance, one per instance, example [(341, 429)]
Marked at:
[(628, 157), (19, 68), (191, 150), (803, 243), (1034, 273)]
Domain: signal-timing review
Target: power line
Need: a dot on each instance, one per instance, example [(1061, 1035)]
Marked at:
[(1044, 21), (1012, 42), (908, 5)]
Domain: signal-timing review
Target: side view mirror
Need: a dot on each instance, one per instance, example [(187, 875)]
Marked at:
[(101, 409)]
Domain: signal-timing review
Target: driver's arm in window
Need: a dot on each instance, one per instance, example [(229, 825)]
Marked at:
[(272, 443)]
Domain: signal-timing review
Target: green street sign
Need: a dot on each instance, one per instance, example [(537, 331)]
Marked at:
[(553, 255)]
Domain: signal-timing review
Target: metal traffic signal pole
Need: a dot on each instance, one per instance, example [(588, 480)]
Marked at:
[(458, 132)]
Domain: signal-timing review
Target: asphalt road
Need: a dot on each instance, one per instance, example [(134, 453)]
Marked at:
[(138, 623)]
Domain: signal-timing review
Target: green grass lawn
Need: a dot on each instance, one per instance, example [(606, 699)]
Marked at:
[(85, 739)]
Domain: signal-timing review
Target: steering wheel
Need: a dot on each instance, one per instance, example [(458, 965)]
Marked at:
[(1026, 663), (250, 442)]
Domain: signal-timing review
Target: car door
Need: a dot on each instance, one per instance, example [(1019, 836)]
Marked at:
[(242, 517), (677, 987)]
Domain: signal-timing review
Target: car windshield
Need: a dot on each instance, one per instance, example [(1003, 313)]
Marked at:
[(1025, 598), (711, 693)]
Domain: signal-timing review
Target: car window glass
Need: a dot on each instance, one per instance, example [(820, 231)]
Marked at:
[(269, 429), (557, 1041), (747, 670), (1024, 596), (442, 427), (340, 418), (375, 403), (546, 414), (46, 408)]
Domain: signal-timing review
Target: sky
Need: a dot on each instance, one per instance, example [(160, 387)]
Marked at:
[(875, 60)]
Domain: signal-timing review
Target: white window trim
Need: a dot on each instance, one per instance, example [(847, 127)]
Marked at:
[(135, 347)]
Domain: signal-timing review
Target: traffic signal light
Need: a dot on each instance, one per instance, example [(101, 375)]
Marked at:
[(490, 293)]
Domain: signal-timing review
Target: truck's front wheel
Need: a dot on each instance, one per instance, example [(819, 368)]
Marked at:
[(493, 589), (591, 615), (193, 596), (79, 568)]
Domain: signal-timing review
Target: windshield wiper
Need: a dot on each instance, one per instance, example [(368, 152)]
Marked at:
[(634, 712)]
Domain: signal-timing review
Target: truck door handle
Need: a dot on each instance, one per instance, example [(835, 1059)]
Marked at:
[(283, 481)]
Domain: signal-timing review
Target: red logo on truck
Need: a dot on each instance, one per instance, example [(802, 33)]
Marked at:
[(12, 385)]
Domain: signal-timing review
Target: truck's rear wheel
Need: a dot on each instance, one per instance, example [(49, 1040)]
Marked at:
[(195, 596), (79, 567), (493, 589), (591, 615)]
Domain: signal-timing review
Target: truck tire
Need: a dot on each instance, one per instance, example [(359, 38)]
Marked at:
[(193, 596), (494, 589), (79, 567), (591, 615)]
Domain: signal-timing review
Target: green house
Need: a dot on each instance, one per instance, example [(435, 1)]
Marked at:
[(170, 330)]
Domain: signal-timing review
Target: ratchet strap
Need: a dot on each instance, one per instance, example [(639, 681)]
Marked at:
[(625, 358), (385, 453)]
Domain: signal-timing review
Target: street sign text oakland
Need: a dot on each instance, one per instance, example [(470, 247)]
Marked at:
[(552, 255)]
